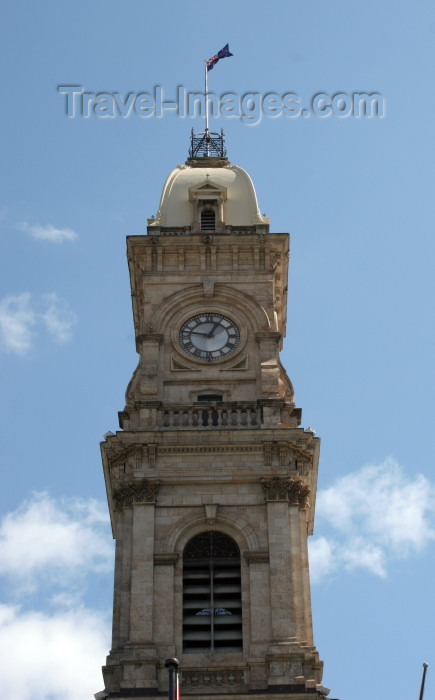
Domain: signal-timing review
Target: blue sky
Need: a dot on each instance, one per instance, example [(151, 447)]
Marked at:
[(356, 194)]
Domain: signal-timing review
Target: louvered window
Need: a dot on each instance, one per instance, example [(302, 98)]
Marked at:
[(212, 602), (208, 220)]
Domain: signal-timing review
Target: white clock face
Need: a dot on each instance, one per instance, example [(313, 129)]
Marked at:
[(209, 336)]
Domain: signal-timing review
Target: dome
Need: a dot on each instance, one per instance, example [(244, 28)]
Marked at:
[(187, 183)]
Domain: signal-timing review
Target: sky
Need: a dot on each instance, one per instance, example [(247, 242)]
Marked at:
[(356, 195)]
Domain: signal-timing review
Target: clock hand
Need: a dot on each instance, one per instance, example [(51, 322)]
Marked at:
[(199, 333), (210, 333)]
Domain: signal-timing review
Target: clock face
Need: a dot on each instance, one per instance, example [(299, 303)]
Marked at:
[(209, 336)]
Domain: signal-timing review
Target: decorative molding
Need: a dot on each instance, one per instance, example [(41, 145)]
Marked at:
[(287, 452), (120, 455), (268, 335), (128, 494), (241, 364), (206, 190), (280, 488), (256, 557), (156, 338), (212, 677), (211, 543), (211, 512), (208, 285), (190, 298), (166, 559), (177, 366), (230, 523), (196, 393), (208, 449), (299, 493), (152, 454), (283, 454)]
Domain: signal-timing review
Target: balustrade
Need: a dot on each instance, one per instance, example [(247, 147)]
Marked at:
[(210, 417)]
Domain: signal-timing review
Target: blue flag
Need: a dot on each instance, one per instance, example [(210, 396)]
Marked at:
[(223, 53)]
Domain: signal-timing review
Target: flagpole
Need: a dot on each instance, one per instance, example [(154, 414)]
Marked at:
[(206, 105), (425, 665)]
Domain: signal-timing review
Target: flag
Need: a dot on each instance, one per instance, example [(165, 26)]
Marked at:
[(223, 53)]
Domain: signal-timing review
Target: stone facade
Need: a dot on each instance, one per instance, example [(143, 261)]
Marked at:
[(211, 446)]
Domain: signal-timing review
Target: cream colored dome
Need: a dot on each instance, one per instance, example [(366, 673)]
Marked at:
[(186, 182)]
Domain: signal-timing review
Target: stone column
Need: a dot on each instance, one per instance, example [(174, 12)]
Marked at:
[(195, 222), (120, 546), (164, 581), (142, 564), (148, 345), (260, 598), (284, 496), (260, 631), (121, 594), (281, 588), (124, 617), (296, 571), (308, 621), (269, 343)]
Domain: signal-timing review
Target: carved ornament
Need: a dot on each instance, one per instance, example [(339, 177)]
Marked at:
[(280, 488), (120, 455), (143, 491)]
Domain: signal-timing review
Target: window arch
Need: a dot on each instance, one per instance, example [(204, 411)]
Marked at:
[(208, 219), (212, 601)]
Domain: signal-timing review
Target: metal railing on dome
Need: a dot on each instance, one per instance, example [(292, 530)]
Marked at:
[(207, 144)]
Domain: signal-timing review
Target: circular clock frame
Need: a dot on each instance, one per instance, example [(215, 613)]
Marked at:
[(209, 335)]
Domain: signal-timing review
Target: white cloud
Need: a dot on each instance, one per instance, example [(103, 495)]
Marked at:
[(58, 319), (49, 233), (21, 316), (54, 651), (322, 558), (375, 515), (52, 657), (17, 319), (47, 540)]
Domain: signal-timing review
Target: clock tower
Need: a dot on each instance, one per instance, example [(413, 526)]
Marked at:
[(211, 482)]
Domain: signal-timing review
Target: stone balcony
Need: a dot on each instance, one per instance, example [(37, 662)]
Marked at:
[(211, 417), (214, 416)]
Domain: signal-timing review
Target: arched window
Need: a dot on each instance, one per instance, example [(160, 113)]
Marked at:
[(212, 601), (208, 220)]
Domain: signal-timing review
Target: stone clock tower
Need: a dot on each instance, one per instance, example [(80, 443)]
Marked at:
[(211, 483)]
